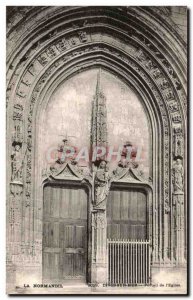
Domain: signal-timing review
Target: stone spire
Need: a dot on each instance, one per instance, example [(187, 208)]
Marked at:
[(99, 116)]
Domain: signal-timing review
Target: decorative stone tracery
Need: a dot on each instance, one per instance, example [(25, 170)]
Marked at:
[(132, 46)]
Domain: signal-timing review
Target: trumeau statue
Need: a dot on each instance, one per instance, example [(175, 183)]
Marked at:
[(102, 181), (178, 179)]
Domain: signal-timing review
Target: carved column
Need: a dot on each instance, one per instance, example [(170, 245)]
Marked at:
[(14, 229), (178, 212), (178, 203), (99, 247)]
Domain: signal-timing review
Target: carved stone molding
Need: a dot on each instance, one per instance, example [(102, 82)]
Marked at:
[(68, 171), (139, 52)]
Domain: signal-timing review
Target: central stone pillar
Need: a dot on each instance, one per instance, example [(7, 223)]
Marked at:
[(99, 272)]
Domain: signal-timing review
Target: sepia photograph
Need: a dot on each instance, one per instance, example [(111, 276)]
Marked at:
[(96, 150)]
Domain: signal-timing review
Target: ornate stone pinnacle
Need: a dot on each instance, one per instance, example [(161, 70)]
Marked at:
[(99, 117)]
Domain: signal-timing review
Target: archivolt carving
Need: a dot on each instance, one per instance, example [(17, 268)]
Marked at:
[(134, 51), (132, 64), (136, 35)]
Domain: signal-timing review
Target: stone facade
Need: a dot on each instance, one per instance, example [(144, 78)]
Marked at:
[(142, 46)]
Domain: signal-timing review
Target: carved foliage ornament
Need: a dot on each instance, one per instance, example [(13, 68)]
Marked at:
[(98, 220)]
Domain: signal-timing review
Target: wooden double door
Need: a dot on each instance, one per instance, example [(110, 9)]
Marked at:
[(64, 234)]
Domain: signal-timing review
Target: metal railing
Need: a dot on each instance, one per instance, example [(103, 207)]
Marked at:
[(128, 262)]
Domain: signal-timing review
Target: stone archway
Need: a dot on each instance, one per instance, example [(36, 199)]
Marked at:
[(125, 41)]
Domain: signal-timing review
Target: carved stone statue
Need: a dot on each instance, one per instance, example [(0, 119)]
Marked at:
[(178, 173), (61, 149), (17, 136), (16, 164), (102, 183)]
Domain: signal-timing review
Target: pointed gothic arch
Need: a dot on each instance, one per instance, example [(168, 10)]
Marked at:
[(47, 46)]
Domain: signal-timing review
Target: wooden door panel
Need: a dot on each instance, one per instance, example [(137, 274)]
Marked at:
[(46, 269), (74, 213), (45, 234), (126, 214), (64, 234), (68, 268), (56, 236), (83, 208), (79, 265), (116, 205), (80, 236), (141, 212), (64, 205), (124, 206), (69, 236)]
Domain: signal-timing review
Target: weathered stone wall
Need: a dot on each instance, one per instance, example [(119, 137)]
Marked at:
[(141, 46), (179, 17)]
